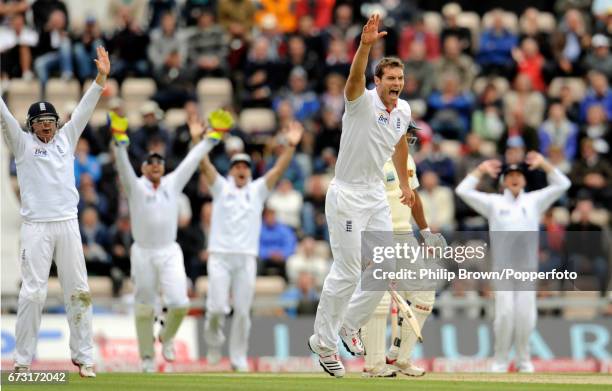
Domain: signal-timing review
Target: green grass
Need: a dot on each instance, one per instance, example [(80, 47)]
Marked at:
[(322, 382)]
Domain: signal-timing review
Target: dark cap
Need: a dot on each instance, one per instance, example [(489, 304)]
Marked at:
[(240, 158), (154, 155), (513, 167), (40, 109)]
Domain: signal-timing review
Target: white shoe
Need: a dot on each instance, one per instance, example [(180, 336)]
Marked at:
[(409, 369), (240, 368), (21, 368), (213, 355), (330, 363), (148, 365), (168, 350), (381, 371), (498, 367), (85, 370), (526, 367), (351, 339)]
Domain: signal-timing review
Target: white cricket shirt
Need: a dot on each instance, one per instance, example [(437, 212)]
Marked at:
[(154, 211), (45, 171), (236, 216), (369, 136), (401, 214)]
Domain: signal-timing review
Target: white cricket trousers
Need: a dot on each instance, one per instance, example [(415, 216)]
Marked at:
[(155, 269), (238, 273), (41, 243), (515, 313), (349, 210)]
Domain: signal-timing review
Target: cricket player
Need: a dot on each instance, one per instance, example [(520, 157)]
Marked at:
[(156, 258), (234, 244), (374, 332), (514, 210), (373, 130), (44, 157)]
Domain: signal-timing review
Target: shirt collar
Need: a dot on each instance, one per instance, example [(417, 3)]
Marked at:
[(508, 195)]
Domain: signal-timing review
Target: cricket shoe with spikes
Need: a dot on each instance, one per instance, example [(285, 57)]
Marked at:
[(330, 363), (21, 368), (85, 370), (408, 369), (147, 365), (351, 339), (380, 371)]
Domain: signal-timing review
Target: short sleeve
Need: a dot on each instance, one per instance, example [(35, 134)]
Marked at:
[(216, 189), (357, 104), (260, 189)]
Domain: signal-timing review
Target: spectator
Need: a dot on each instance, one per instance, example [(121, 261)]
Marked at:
[(302, 298), (518, 128), (85, 49), (569, 43), (598, 129), (165, 41), (276, 243), (150, 132), (585, 246), (343, 28), (307, 260), (90, 197), (298, 56), (280, 11), (332, 99), (138, 10), (530, 28), (453, 60), (421, 69), (304, 102), (438, 162), (175, 84), (530, 62), (496, 44), (85, 162), (259, 71), (121, 242), (523, 98), (9, 8), (286, 203), (418, 32), (599, 93), (192, 9), (337, 59), (236, 12), (157, 8), (43, 10), (599, 58), (471, 155), (182, 137), (16, 43), (314, 223), (450, 12), (207, 47), (54, 50), (570, 103), (558, 131), (451, 109), (591, 175), (320, 11), (293, 172), (128, 48), (487, 118), (438, 203), (95, 243), (312, 35)]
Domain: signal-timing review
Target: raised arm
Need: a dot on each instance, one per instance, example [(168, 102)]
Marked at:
[(118, 126), (196, 129), (188, 166), (293, 135), (14, 136), (466, 190), (400, 159), (355, 84), (82, 113), (557, 182)]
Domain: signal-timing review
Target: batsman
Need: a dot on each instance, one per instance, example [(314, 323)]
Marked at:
[(421, 301)]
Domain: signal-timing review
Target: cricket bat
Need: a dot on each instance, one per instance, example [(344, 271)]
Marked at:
[(405, 309)]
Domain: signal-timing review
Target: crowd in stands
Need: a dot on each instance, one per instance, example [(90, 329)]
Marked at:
[(491, 85)]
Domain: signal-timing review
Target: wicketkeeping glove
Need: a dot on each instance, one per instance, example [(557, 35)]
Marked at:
[(118, 126), (434, 240), (220, 121)]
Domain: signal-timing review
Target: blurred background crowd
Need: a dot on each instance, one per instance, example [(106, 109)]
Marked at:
[(482, 82)]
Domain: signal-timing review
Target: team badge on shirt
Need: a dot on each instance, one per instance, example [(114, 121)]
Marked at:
[(383, 119), (40, 152), (398, 124), (59, 149)]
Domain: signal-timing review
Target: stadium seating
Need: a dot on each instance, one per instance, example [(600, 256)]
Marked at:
[(214, 93), (500, 83), (576, 85), (111, 90), (175, 118), (136, 91), (21, 94), (433, 21), (59, 90), (257, 121), (510, 21), (470, 20)]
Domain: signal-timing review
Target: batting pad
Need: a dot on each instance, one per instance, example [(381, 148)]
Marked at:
[(374, 333), (172, 323), (421, 304), (144, 330)]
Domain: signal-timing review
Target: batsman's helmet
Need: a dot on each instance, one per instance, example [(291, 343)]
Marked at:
[(40, 109), (411, 132)]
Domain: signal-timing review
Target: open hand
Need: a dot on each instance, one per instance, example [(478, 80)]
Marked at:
[(294, 133), (102, 62), (370, 33), (407, 197), (492, 167)]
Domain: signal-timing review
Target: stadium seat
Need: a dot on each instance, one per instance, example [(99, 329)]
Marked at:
[(99, 286), (579, 311), (470, 20), (500, 83), (98, 118), (175, 118), (214, 93), (21, 94), (547, 22), (58, 90), (136, 91), (433, 21), (510, 21), (576, 85), (111, 90), (257, 121)]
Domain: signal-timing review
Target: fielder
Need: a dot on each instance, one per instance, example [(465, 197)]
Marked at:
[(373, 128), (514, 210), (45, 171), (156, 258), (375, 330), (234, 244)]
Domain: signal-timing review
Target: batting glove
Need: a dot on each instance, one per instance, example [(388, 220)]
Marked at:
[(220, 121), (118, 126)]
